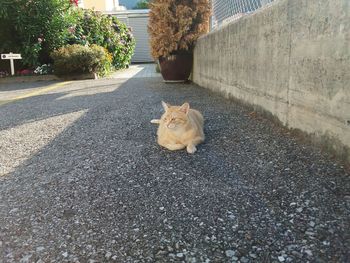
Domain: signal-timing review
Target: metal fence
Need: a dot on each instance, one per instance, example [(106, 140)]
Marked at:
[(225, 11)]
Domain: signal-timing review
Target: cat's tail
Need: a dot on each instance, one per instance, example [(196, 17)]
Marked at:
[(155, 121)]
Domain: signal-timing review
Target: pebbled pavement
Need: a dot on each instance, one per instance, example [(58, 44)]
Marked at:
[(83, 180)]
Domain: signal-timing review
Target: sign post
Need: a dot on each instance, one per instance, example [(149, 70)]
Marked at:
[(11, 57)]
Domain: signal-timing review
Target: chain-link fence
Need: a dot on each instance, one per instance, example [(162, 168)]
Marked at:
[(225, 11)]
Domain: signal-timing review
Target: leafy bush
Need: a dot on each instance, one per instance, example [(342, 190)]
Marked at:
[(79, 59), (4, 73), (34, 28), (92, 27), (43, 69), (141, 4), (175, 25)]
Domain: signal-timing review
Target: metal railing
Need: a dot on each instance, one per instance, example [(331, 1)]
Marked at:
[(225, 11)]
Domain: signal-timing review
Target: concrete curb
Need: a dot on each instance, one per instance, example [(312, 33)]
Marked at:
[(8, 80)]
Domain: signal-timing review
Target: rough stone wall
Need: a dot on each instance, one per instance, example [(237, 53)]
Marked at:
[(291, 59)]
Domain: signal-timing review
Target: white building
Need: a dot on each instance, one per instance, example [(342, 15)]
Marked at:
[(101, 5), (138, 21)]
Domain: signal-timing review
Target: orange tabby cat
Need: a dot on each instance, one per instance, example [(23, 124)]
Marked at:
[(180, 127)]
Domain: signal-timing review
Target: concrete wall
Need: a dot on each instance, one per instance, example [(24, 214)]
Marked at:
[(291, 59)]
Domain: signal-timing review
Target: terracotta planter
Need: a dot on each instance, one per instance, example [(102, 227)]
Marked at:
[(176, 68)]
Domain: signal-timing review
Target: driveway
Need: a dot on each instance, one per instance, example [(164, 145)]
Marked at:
[(83, 180)]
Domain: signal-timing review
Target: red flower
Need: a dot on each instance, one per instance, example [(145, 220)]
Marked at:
[(25, 72), (71, 29), (75, 2)]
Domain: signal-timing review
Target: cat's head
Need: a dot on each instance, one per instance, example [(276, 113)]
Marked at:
[(175, 117)]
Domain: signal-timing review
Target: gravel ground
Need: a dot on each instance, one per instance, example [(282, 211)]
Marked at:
[(10, 90), (84, 181)]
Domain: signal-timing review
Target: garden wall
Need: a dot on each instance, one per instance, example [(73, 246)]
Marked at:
[(291, 59)]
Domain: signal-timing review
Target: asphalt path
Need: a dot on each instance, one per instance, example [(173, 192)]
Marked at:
[(82, 179)]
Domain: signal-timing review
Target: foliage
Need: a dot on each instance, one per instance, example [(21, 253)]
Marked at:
[(142, 4), (4, 73), (74, 2), (33, 28), (92, 27), (43, 69), (175, 25), (25, 72), (79, 59)]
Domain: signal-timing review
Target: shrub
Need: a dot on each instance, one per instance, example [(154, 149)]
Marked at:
[(92, 27), (43, 69), (4, 73), (79, 59), (141, 4), (175, 25), (34, 28)]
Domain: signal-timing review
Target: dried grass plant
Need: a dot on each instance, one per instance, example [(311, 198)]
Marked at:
[(175, 25)]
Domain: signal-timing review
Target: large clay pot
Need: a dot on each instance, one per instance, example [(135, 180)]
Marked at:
[(176, 68)]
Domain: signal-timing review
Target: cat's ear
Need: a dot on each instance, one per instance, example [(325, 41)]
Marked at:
[(165, 105), (185, 107)]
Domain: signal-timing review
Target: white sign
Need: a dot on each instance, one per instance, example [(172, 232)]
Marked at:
[(11, 57)]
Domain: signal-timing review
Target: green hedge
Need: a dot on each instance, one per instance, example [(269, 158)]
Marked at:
[(79, 59), (93, 27), (35, 28)]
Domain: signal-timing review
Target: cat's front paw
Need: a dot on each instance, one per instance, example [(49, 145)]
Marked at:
[(156, 121), (191, 148)]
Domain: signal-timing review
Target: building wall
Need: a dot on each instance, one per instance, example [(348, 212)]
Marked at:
[(110, 5), (292, 60), (138, 21), (99, 5)]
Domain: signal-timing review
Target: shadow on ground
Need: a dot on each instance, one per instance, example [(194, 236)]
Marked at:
[(104, 190), (24, 86)]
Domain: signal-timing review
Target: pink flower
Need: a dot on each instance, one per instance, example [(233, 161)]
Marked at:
[(40, 40), (74, 2), (26, 72), (71, 29)]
